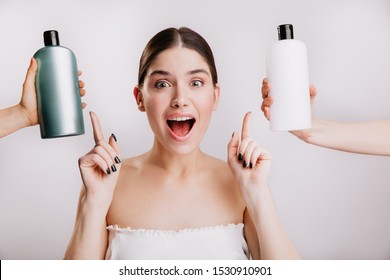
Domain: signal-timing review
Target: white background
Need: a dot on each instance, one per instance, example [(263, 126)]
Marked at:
[(334, 205)]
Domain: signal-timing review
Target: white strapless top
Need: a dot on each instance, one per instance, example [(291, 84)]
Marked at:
[(207, 243)]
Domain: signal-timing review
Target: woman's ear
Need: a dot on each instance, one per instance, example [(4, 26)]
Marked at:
[(139, 98), (217, 92)]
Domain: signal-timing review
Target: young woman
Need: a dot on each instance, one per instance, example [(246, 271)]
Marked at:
[(25, 113), (174, 201), (371, 137)]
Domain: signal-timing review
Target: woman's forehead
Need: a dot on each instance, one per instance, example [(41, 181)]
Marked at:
[(178, 59)]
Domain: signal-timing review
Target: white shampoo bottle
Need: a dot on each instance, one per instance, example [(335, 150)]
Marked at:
[(287, 72)]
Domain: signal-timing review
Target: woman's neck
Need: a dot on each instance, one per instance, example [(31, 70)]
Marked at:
[(174, 163)]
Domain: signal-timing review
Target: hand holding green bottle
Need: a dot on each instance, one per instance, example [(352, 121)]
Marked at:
[(25, 113), (28, 102)]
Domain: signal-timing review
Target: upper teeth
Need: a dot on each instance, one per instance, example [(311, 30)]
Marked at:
[(180, 119)]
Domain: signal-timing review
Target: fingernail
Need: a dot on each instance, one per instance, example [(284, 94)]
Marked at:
[(113, 136), (108, 171), (244, 164), (240, 157), (113, 168), (250, 165), (117, 160)]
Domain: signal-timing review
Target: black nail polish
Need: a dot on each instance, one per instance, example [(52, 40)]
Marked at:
[(244, 164), (250, 165), (117, 160), (239, 157), (113, 168), (113, 136), (108, 171)]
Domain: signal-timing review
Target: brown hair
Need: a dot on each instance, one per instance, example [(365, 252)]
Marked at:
[(172, 37)]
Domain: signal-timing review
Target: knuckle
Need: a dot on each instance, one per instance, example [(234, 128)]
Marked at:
[(97, 149), (80, 160), (100, 143), (95, 157)]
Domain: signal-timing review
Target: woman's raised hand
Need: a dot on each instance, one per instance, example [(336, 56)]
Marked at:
[(248, 162), (100, 167)]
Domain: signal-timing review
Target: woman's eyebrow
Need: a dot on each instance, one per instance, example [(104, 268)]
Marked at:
[(160, 72), (166, 73), (196, 71)]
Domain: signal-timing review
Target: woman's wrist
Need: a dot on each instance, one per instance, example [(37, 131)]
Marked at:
[(12, 119), (96, 206), (308, 135), (21, 116), (252, 196)]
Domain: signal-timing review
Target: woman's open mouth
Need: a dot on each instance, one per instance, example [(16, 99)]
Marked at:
[(181, 126)]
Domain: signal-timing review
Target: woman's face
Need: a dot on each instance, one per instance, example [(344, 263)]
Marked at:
[(178, 96)]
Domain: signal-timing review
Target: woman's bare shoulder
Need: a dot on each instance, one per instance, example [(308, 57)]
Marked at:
[(214, 160), (133, 163), (220, 167)]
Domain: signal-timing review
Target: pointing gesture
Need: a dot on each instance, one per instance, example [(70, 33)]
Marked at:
[(100, 167), (252, 181), (248, 162)]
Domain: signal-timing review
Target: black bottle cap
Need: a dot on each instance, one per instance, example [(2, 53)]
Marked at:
[(51, 38), (285, 31)]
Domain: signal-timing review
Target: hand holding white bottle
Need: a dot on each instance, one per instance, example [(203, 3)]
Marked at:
[(287, 72)]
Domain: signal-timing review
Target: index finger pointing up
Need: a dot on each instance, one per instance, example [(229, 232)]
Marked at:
[(97, 130), (245, 126)]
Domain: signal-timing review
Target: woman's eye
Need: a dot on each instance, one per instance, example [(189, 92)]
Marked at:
[(161, 84), (197, 83)]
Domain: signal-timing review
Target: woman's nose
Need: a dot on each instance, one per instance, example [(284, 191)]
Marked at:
[(180, 99)]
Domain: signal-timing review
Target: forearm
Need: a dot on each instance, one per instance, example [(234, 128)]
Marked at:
[(89, 239), (11, 120), (273, 239), (357, 137)]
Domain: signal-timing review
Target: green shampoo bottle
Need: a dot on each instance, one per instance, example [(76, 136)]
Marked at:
[(60, 111)]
